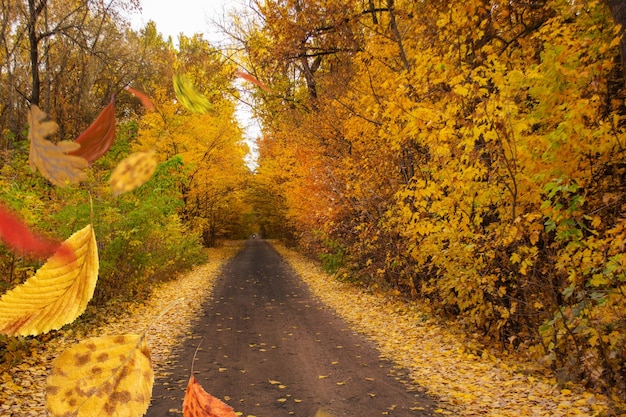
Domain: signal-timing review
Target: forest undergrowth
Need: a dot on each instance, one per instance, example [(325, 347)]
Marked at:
[(24, 385), (468, 377)]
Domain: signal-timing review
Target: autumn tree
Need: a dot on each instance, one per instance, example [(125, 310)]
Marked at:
[(470, 155)]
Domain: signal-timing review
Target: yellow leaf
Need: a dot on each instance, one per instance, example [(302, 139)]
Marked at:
[(101, 376), (189, 97), (59, 291), (132, 172), (50, 158)]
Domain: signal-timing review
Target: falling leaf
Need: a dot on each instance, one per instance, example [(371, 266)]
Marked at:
[(54, 160), (16, 234), (252, 79), (57, 294), (96, 140), (132, 172), (199, 403), (322, 413), (274, 382), (101, 376), (145, 100), (189, 97)]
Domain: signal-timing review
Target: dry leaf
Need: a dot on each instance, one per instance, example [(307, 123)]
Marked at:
[(57, 294), (101, 376), (199, 403), (53, 160), (96, 140), (132, 172), (145, 100), (189, 97), (16, 234)]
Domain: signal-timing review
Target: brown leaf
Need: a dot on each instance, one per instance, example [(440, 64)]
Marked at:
[(96, 140), (199, 403), (53, 160)]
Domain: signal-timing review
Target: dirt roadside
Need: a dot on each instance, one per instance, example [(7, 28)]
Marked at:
[(269, 349)]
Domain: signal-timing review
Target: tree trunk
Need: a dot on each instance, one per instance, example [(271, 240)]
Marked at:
[(34, 10), (618, 9)]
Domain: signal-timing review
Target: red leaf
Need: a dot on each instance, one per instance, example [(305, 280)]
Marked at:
[(16, 234), (253, 80), (145, 100), (96, 140), (199, 403)]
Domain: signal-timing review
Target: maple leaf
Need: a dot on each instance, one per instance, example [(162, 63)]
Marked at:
[(96, 140), (145, 100), (16, 234), (199, 403), (53, 160), (57, 294), (189, 97), (101, 376), (252, 79), (132, 172)]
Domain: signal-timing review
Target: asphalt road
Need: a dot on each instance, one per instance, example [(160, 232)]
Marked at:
[(268, 348)]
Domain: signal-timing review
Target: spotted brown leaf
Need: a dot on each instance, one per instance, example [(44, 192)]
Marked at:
[(132, 172), (101, 376)]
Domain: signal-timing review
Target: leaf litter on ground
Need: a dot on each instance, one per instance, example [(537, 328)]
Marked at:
[(445, 361), (23, 386)]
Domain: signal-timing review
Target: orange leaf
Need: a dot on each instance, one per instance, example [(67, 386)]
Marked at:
[(96, 140), (199, 403), (145, 100), (253, 80)]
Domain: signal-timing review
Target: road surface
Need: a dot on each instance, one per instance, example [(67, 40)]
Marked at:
[(268, 348)]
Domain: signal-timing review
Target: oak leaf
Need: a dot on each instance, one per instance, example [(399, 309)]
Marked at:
[(189, 97), (53, 159), (101, 376), (132, 172), (57, 294), (199, 403), (97, 139), (17, 235)]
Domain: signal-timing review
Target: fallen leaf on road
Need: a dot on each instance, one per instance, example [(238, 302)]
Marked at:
[(199, 403)]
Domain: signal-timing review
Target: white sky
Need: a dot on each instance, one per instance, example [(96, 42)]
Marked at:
[(187, 16), (190, 17)]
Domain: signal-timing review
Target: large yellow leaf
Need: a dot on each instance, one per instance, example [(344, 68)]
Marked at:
[(52, 159), (101, 376), (132, 172), (59, 291)]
